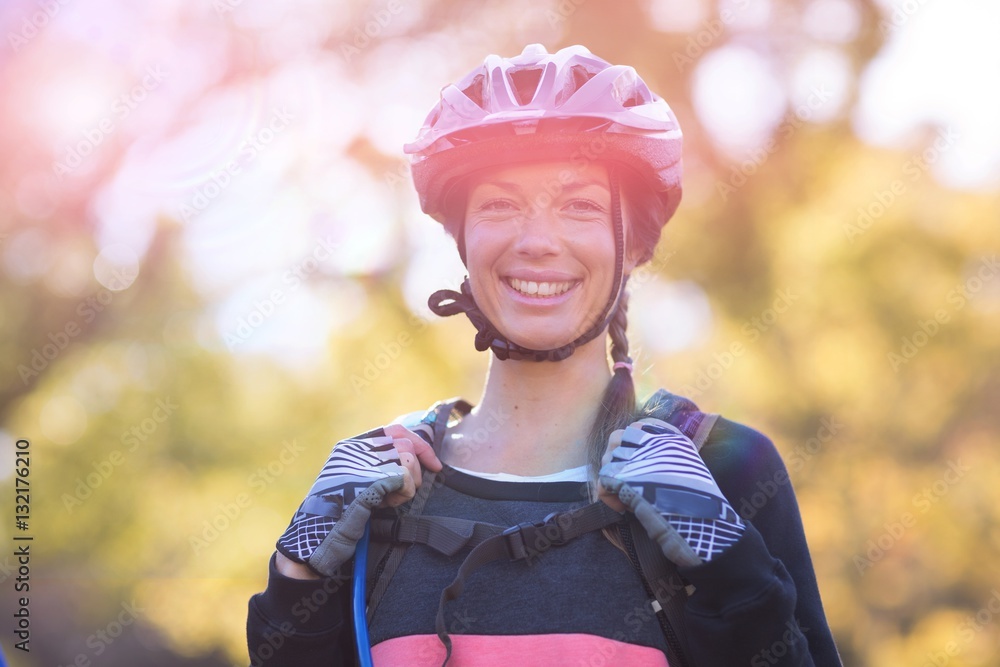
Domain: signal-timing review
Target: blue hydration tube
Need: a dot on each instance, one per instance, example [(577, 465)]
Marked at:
[(358, 600)]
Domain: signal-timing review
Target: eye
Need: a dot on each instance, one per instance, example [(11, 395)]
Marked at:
[(498, 205), (584, 206)]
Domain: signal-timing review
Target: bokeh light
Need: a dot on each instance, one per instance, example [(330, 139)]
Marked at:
[(210, 246)]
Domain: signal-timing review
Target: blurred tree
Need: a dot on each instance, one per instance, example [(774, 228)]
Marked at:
[(862, 296)]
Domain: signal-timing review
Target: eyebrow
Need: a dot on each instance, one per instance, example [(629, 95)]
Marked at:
[(567, 187)]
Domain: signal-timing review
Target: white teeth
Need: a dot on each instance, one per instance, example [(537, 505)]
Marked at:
[(540, 289)]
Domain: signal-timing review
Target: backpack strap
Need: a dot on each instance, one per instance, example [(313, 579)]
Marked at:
[(446, 535), (660, 575), (682, 413), (384, 557), (524, 541), (665, 585)]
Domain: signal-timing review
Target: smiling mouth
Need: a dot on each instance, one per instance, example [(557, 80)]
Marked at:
[(538, 289)]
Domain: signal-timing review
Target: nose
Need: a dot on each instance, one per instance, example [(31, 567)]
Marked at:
[(538, 234)]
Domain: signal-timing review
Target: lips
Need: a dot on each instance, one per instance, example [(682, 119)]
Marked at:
[(533, 288)]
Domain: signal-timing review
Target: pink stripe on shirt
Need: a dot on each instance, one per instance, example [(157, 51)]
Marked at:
[(573, 650)]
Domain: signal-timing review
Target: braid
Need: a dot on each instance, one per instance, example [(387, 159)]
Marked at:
[(618, 403), (616, 328)]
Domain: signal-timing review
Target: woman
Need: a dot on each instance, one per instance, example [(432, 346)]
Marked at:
[(555, 174)]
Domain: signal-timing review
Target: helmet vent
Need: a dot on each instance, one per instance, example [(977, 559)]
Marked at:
[(631, 91), (525, 83), (475, 91), (635, 100), (579, 75)]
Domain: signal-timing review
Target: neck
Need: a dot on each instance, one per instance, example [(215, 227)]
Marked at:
[(533, 417)]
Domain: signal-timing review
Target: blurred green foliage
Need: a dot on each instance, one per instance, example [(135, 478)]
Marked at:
[(877, 379)]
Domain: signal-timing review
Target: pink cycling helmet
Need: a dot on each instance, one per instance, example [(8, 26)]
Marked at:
[(570, 105), (541, 106)]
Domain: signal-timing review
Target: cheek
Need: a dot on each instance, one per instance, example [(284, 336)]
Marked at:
[(599, 254), (476, 257), (480, 258), (484, 244)]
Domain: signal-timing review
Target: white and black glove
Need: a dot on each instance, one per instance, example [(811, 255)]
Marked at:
[(657, 473), (363, 472)]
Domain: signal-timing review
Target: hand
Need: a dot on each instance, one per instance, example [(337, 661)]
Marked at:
[(378, 468), (656, 471), (413, 451)]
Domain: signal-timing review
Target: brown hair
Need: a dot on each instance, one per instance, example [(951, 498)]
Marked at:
[(644, 210)]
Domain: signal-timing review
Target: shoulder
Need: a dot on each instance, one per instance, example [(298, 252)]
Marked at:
[(742, 459), (733, 446), (752, 475)]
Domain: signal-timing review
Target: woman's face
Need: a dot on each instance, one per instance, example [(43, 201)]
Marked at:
[(540, 249)]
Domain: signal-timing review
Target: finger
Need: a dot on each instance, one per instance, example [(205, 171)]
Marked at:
[(400, 431), (607, 491), (409, 489), (419, 447), (673, 546), (611, 500), (653, 421), (404, 448)]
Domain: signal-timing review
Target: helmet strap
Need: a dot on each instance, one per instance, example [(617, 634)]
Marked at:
[(449, 302)]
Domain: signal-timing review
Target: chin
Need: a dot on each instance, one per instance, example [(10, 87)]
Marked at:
[(542, 340)]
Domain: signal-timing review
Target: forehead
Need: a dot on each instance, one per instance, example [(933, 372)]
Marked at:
[(565, 173)]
